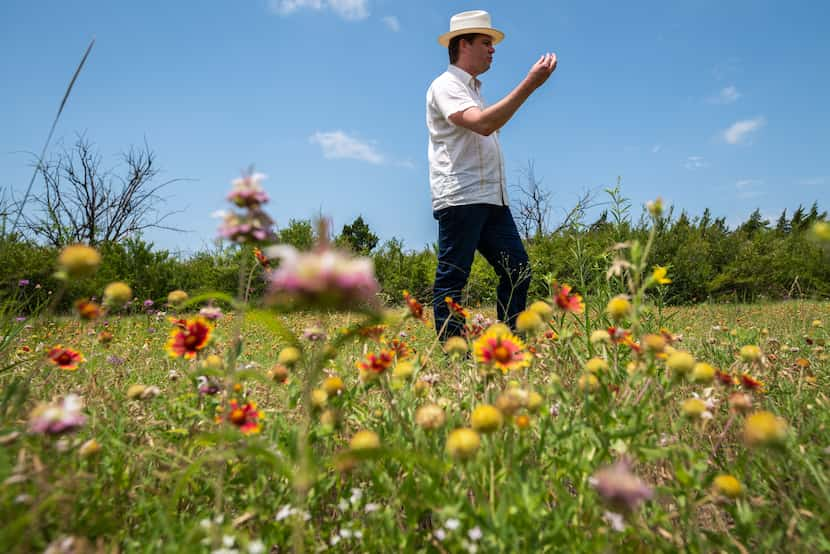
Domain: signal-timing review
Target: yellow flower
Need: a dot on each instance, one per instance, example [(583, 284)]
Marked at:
[(486, 419), (595, 365), (117, 294), (456, 345), (177, 297), (534, 402), (289, 356), (680, 362), (429, 416), (319, 398), (542, 308), (655, 343), (600, 335), (618, 307), (763, 428), (462, 444), (522, 422), (703, 373), (499, 348), (529, 321), (89, 448), (655, 207), (694, 408), (135, 391), (212, 361), (659, 275), (588, 382), (750, 353), (333, 385), (364, 441), (822, 231), (79, 260), (728, 486), (403, 370)]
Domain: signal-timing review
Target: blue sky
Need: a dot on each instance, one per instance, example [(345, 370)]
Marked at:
[(719, 104)]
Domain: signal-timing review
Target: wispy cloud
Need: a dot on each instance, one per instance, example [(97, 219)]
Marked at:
[(812, 181), (656, 148), (392, 23), (748, 188), (740, 130), (726, 95), (350, 10), (339, 145), (695, 162)]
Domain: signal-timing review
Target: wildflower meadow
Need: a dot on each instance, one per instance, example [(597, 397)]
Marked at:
[(309, 412)]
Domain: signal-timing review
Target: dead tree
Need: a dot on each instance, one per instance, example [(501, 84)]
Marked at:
[(82, 202), (533, 203)]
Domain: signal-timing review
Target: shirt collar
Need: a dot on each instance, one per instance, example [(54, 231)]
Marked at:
[(465, 77)]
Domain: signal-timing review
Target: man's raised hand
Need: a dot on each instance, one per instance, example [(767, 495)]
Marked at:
[(542, 69)]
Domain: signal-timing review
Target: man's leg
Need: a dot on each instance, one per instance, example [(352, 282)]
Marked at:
[(502, 247), (459, 228)]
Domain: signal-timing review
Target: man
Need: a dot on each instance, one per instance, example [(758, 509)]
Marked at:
[(466, 171)]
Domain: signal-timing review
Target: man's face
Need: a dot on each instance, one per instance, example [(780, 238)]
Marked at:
[(480, 53)]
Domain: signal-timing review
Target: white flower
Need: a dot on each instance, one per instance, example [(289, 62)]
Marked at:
[(285, 511), (228, 540), (452, 524), (358, 534), (371, 507), (345, 533), (440, 534), (615, 520), (256, 547), (475, 533), (343, 505), (357, 494)]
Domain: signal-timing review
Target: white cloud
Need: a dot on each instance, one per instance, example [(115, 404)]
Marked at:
[(392, 23), (748, 188), (695, 162), (351, 10), (656, 148), (726, 96), (339, 145), (739, 130)]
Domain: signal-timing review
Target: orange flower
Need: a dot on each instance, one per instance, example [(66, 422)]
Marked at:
[(400, 349), (188, 340), (377, 363), (246, 417), (415, 307), (751, 383), (65, 358), (87, 309), (501, 349), (725, 378), (567, 300), (262, 258), (456, 308), (373, 332)]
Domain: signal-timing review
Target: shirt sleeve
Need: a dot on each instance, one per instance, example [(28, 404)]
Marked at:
[(452, 97)]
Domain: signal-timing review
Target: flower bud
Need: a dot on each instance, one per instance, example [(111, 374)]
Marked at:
[(542, 308), (588, 382), (486, 419), (364, 441), (79, 260), (618, 308), (429, 416), (529, 321), (762, 428), (727, 486), (750, 353), (703, 373), (333, 385), (456, 346), (117, 294), (680, 362), (462, 444), (694, 408), (595, 365), (177, 297), (289, 356)]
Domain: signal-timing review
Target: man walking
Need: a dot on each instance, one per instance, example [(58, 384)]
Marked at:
[(466, 171)]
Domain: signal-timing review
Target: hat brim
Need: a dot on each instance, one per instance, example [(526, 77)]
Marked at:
[(495, 34)]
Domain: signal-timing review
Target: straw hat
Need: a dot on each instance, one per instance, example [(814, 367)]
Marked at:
[(476, 21)]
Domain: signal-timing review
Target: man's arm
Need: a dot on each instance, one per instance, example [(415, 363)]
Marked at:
[(492, 118)]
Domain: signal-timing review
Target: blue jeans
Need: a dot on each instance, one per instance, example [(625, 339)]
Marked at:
[(490, 229)]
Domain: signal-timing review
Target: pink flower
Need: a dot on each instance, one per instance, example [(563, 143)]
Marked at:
[(62, 416), (619, 488), (253, 226), (323, 278), (247, 192)]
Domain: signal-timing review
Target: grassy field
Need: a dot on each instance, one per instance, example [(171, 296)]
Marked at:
[(594, 445)]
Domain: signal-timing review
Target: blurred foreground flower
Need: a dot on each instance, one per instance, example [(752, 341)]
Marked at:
[(762, 428), (66, 358), (416, 309), (619, 488), (462, 444), (322, 278), (79, 260), (61, 416), (728, 486), (188, 341)]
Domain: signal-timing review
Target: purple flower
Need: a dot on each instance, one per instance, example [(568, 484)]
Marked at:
[(62, 416), (112, 359), (23, 283), (206, 386), (247, 192), (211, 313), (20, 318), (148, 303), (619, 488)]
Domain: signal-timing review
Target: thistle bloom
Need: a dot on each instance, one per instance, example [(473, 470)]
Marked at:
[(253, 226), (620, 488), (501, 349), (65, 358), (567, 300), (188, 341), (62, 416), (323, 278), (247, 191), (246, 417)]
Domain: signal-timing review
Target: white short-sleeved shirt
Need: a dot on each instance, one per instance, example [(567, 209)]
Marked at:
[(464, 167)]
